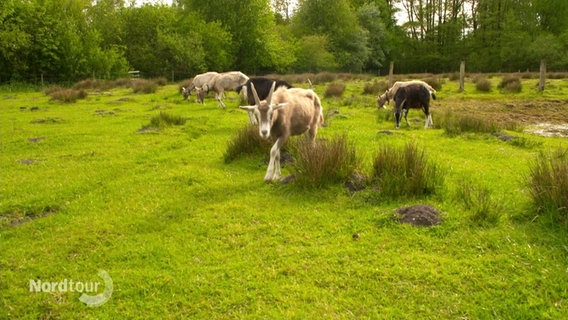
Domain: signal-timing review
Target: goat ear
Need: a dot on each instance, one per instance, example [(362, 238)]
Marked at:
[(248, 108), (279, 106)]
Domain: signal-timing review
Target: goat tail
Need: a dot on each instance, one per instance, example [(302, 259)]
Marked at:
[(433, 95), (318, 106)]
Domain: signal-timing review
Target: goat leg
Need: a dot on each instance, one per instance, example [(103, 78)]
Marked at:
[(273, 171)]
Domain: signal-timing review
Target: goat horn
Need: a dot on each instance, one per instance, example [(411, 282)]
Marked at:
[(254, 94), (269, 97)]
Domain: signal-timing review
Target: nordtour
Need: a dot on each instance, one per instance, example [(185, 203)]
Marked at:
[(63, 286)]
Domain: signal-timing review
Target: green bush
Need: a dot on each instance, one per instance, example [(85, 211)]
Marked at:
[(405, 172), (246, 141), (324, 162), (548, 185)]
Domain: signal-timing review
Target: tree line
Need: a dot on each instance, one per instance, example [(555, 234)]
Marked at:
[(76, 39)]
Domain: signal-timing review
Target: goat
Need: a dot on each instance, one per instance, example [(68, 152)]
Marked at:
[(221, 82), (284, 113), (416, 96), (262, 86), (391, 92), (198, 81)]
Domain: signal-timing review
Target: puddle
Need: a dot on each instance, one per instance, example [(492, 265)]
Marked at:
[(549, 130)]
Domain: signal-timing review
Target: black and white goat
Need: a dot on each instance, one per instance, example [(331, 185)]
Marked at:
[(284, 113), (262, 86), (412, 96), (221, 82), (391, 92)]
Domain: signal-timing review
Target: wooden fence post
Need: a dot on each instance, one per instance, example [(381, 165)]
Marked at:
[(542, 79), (462, 76), (391, 70)]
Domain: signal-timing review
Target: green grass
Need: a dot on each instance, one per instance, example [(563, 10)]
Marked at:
[(185, 235)]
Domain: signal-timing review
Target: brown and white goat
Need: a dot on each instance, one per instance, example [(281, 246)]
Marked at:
[(221, 82), (284, 113), (391, 92)]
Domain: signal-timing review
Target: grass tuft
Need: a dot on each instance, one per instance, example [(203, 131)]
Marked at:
[(479, 201), (482, 84), (405, 172), (548, 185), (511, 84), (334, 89), (434, 82), (66, 95), (246, 141), (144, 86), (325, 162), (163, 120), (375, 87), (456, 124)]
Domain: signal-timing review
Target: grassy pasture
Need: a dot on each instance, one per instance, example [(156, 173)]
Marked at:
[(91, 185)]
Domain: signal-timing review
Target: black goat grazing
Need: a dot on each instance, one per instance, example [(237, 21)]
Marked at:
[(262, 86), (412, 96)]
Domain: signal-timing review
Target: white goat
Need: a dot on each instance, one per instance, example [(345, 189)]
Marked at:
[(285, 113), (221, 82), (198, 81), (390, 93)]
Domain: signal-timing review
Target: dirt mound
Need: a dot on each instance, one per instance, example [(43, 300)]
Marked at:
[(420, 215)]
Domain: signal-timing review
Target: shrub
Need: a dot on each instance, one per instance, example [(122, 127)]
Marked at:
[(51, 89), (164, 119), (122, 82), (454, 76), (511, 84), (160, 81), (325, 161), (246, 141), (456, 124), (548, 185), (375, 87), (479, 201), (434, 82), (483, 84), (67, 95), (405, 172), (334, 89), (325, 77), (144, 86)]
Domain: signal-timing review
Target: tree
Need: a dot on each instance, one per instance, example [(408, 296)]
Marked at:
[(247, 21), (338, 22)]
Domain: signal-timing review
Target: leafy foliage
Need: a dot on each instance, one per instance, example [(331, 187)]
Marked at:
[(56, 41)]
